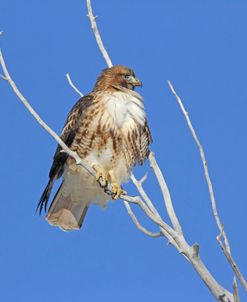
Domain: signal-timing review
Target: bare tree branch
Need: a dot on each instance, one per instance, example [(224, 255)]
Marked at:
[(144, 195), (235, 290), (226, 246), (152, 208), (192, 255), (138, 225), (232, 263), (92, 19), (73, 86), (3, 77), (166, 194), (205, 166)]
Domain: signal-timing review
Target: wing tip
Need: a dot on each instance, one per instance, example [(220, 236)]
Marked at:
[(42, 204)]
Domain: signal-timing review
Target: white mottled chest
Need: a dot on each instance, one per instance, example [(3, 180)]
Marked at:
[(124, 108)]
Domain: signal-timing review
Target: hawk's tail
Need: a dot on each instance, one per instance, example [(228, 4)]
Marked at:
[(65, 213)]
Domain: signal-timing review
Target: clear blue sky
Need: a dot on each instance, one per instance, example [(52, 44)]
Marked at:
[(201, 47)]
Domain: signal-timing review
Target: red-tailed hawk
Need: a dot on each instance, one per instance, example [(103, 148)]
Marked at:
[(108, 129)]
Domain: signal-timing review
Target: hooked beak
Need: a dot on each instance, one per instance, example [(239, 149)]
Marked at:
[(134, 81)]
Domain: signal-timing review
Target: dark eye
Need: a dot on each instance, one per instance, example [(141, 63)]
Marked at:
[(127, 76)]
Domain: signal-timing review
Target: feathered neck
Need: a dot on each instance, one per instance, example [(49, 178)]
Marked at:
[(127, 91)]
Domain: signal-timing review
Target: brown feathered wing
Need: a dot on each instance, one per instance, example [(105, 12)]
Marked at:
[(63, 212)]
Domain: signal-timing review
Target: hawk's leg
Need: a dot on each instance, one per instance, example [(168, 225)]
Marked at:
[(116, 187), (101, 175)]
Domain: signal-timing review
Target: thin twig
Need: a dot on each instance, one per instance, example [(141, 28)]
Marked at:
[(143, 179), (137, 200), (166, 193), (226, 247), (205, 166), (73, 86), (151, 207), (138, 225), (144, 195), (232, 263), (92, 19), (235, 290)]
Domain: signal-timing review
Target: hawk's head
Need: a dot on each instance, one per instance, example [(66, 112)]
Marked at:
[(119, 76)]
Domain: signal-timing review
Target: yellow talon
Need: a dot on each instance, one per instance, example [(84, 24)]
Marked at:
[(101, 176), (117, 190)]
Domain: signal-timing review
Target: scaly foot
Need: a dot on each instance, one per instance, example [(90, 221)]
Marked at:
[(101, 175), (117, 190)]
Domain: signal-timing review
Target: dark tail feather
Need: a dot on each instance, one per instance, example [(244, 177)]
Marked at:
[(45, 197)]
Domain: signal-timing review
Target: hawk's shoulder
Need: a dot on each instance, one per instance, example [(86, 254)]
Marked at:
[(68, 133)]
